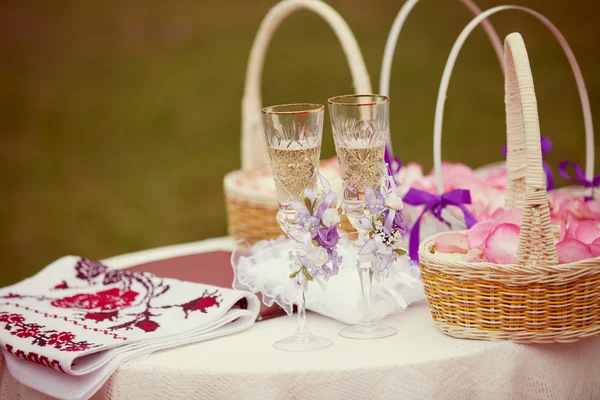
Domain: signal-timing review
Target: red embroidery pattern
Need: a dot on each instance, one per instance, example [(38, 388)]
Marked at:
[(106, 305), (207, 300), (106, 300), (63, 341), (74, 322), (62, 285), (36, 358), (87, 270)]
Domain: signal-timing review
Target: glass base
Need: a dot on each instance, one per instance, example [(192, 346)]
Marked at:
[(309, 343), (375, 331)]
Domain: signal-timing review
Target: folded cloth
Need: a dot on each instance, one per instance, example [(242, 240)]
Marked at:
[(65, 330), (264, 269)]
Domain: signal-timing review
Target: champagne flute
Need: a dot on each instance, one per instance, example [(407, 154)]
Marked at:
[(294, 133), (359, 125)]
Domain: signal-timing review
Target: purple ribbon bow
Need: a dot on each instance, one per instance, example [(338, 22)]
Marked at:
[(547, 146), (580, 176), (393, 162), (435, 204)]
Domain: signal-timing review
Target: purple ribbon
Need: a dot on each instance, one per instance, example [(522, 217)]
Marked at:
[(547, 146), (580, 176), (393, 162), (435, 204)]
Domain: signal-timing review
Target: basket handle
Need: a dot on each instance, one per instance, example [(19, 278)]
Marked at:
[(441, 99), (526, 191), (254, 145), (392, 41)]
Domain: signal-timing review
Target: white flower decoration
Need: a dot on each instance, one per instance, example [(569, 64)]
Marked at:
[(330, 217), (365, 224), (394, 201)]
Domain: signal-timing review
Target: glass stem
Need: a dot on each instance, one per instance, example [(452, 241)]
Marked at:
[(366, 283), (302, 332)]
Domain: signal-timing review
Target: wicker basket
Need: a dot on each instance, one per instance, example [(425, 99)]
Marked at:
[(574, 191), (534, 300), (250, 193)]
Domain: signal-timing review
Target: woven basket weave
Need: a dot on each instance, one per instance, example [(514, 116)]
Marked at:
[(534, 300), (251, 208)]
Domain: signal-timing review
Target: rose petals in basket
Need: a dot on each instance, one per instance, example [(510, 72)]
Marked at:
[(501, 245), (565, 207), (484, 195), (572, 250), (452, 242), (498, 238)]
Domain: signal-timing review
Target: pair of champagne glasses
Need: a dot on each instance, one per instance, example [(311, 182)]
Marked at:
[(294, 135)]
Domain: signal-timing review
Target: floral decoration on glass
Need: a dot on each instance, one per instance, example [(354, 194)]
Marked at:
[(359, 123), (317, 233), (294, 134), (383, 232)]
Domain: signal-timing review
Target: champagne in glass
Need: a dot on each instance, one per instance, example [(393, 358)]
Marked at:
[(360, 123), (294, 133), (295, 168)]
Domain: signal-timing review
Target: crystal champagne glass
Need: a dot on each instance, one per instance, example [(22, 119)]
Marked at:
[(359, 125), (294, 133)]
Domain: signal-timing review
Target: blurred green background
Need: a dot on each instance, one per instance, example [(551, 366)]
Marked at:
[(119, 119)]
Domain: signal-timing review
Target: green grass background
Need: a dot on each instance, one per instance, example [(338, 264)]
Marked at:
[(119, 119)]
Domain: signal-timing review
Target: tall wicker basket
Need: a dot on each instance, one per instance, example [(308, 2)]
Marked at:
[(534, 300), (249, 192)]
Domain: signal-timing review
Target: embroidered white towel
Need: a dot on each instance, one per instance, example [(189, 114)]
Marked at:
[(65, 330)]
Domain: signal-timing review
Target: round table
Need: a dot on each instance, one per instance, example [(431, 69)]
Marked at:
[(419, 362)]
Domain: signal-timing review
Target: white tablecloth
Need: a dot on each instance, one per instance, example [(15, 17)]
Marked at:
[(418, 363)]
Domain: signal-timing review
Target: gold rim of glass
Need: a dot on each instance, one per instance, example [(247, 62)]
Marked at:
[(377, 99), (302, 108)]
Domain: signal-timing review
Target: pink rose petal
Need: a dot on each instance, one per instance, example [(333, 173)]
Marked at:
[(587, 231), (502, 243), (474, 255), (572, 225), (409, 174), (478, 233), (513, 216), (497, 203), (497, 179), (595, 247), (593, 206), (571, 250), (563, 230), (452, 242)]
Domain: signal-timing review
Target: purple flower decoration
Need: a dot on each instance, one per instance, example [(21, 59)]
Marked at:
[(365, 224), (399, 222), (328, 237), (375, 200), (383, 231), (317, 217)]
